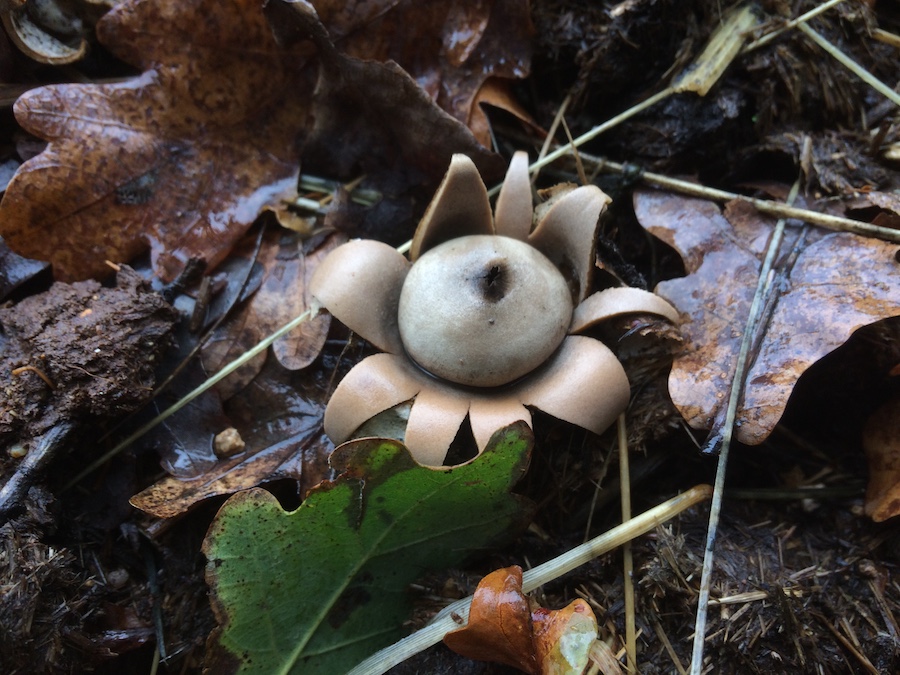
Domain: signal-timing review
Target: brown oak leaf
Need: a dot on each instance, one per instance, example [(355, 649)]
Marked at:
[(826, 286), (449, 48), (179, 159), (282, 296)]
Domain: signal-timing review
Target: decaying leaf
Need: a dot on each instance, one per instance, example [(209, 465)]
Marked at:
[(180, 159), (370, 115), (449, 48), (279, 418), (283, 295), (832, 285), (881, 441), (564, 638), (333, 574), (505, 626)]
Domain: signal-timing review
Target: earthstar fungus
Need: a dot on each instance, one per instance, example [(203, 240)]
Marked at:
[(482, 320)]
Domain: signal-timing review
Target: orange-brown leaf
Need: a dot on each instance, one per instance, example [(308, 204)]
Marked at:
[(503, 627), (499, 628)]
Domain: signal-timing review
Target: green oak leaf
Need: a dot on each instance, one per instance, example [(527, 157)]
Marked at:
[(319, 589)]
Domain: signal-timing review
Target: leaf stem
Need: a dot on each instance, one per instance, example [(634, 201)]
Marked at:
[(456, 615)]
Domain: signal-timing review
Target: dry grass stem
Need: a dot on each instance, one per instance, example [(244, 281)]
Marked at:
[(627, 559), (208, 384), (772, 208), (456, 615), (793, 23), (726, 432), (851, 65), (723, 46), (548, 140)]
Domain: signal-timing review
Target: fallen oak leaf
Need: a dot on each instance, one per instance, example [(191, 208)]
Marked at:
[(374, 112), (451, 49), (836, 284), (181, 159), (381, 524), (158, 183)]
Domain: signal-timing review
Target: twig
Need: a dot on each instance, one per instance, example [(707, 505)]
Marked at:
[(793, 23), (627, 559), (456, 615), (863, 660), (851, 65), (772, 208), (551, 134), (734, 398), (661, 633), (593, 133), (30, 468)]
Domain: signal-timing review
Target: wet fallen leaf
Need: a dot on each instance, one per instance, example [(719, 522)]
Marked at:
[(505, 626), (499, 627), (371, 116), (183, 441), (835, 284), (282, 296), (450, 48), (278, 416), (180, 159), (881, 441), (381, 524)]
